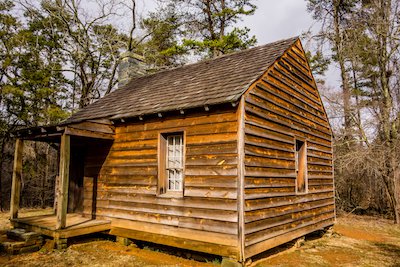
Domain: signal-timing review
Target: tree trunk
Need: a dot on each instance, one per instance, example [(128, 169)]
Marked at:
[(3, 139), (346, 94), (396, 189)]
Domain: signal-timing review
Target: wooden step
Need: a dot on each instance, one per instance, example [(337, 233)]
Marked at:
[(22, 235), (18, 241)]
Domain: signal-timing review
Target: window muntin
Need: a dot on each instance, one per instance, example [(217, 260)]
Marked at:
[(301, 166)]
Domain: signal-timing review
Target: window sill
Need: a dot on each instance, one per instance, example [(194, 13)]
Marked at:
[(171, 195), (301, 193)]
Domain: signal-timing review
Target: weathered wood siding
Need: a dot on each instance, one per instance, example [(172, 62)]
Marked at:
[(127, 184), (282, 105)]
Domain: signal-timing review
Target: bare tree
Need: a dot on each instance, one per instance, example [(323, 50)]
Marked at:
[(88, 42)]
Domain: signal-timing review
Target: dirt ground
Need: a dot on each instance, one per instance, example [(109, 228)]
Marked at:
[(357, 241)]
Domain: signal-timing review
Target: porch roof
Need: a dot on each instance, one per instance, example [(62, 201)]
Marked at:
[(100, 129)]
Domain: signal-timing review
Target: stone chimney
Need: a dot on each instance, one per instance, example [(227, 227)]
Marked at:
[(131, 66)]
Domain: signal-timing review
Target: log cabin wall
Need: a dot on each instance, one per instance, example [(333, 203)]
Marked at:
[(284, 105), (205, 215)]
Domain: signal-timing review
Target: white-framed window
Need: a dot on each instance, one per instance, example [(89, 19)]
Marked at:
[(174, 164), (171, 153)]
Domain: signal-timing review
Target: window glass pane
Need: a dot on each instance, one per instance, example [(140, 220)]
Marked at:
[(175, 162)]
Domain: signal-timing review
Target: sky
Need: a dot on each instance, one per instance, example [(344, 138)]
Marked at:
[(273, 20)]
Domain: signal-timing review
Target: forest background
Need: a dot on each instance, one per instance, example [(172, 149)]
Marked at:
[(57, 56)]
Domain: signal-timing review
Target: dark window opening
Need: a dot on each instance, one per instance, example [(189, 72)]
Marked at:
[(301, 167)]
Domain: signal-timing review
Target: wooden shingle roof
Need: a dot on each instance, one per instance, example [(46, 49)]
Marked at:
[(210, 82)]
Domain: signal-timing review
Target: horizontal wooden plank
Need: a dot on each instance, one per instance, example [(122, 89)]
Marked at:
[(312, 182), (207, 170), (205, 246), (286, 218), (276, 86), (183, 121), (94, 127), (299, 62), (298, 78), (216, 148), (91, 134), (271, 144), (129, 189), (271, 162), (119, 145), (319, 167), (212, 192), (286, 236), (172, 231), (211, 181), (286, 106), (255, 182), (288, 81), (129, 170), (263, 192), (189, 202), (318, 188), (296, 126), (131, 180), (265, 203), (261, 214), (319, 177), (210, 139), (258, 130), (269, 172), (211, 159), (155, 209), (251, 239), (267, 152), (143, 153)]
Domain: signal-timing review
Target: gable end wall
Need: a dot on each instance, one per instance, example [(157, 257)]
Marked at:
[(283, 105)]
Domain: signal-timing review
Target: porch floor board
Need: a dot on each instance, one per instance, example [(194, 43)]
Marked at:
[(76, 225)]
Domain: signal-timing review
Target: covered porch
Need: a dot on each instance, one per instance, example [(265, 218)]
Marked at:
[(75, 225), (75, 186)]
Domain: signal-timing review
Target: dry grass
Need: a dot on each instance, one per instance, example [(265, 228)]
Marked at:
[(360, 241), (99, 253)]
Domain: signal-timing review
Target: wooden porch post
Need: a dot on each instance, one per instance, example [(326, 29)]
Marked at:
[(16, 179), (62, 198)]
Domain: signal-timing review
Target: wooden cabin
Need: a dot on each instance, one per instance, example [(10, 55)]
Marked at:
[(229, 156)]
